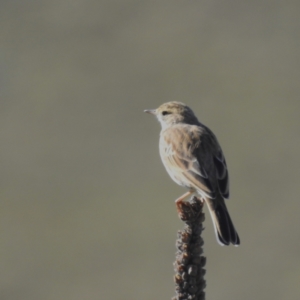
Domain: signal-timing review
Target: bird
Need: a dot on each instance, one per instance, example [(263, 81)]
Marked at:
[(193, 158)]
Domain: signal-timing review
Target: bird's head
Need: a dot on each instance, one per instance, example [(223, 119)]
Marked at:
[(171, 113)]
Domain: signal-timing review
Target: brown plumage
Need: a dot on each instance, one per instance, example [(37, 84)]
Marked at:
[(194, 159)]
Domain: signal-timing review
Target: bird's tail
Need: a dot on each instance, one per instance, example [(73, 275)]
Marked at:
[(224, 229)]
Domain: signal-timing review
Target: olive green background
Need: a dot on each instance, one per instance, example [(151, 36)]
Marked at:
[(87, 210)]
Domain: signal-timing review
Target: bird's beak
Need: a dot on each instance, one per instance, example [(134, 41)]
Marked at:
[(150, 111)]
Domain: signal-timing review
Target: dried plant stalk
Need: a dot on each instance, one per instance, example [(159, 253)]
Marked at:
[(189, 271)]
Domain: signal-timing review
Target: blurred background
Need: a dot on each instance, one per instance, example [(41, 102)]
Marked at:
[(87, 210)]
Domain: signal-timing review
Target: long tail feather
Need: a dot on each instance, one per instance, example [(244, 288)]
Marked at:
[(224, 228)]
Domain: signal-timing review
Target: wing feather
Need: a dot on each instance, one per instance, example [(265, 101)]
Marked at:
[(222, 174), (181, 162)]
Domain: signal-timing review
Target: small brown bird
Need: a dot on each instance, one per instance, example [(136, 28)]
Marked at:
[(194, 159)]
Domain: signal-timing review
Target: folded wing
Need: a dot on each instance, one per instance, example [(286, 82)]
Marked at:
[(194, 159)]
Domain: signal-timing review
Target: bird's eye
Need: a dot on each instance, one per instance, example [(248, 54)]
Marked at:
[(165, 113)]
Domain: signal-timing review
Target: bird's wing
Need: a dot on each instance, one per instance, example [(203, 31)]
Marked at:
[(195, 154), (180, 156), (210, 155), (222, 173)]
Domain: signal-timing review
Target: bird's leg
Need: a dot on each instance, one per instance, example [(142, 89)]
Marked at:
[(180, 204), (185, 195)]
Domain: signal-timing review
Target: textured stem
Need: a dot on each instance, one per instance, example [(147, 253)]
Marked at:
[(189, 271)]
